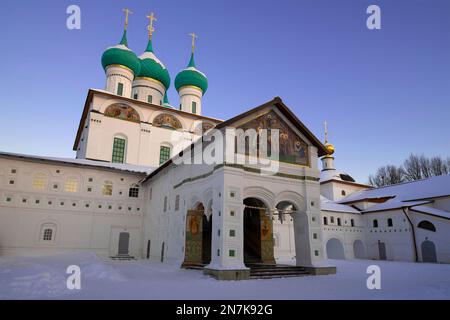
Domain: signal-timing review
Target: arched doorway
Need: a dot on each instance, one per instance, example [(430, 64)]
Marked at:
[(258, 238), (429, 251), (358, 250), (335, 249), (198, 237)]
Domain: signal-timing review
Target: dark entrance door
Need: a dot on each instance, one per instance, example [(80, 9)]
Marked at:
[(252, 236), (382, 250), (428, 251), (206, 239), (124, 242)]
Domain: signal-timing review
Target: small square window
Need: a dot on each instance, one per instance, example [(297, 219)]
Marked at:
[(8, 199), (89, 189), (232, 233), (13, 171), (61, 203), (11, 182), (74, 204), (314, 235), (87, 205), (232, 194), (58, 171), (316, 253), (37, 201), (90, 179), (99, 206), (129, 208), (120, 208), (24, 200), (232, 213), (138, 209), (109, 207), (231, 253), (49, 203), (55, 186)]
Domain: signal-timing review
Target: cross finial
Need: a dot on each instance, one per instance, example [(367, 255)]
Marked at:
[(127, 13), (150, 27), (326, 132), (194, 36)]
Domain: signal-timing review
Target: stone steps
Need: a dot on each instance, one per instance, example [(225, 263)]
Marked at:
[(276, 271), (123, 257)]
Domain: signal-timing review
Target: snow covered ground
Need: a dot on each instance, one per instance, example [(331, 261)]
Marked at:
[(45, 278)]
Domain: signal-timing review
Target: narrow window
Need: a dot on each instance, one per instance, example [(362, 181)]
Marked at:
[(375, 223), (149, 99), (339, 221), (325, 221), (177, 202), (135, 96), (107, 188), (332, 219), (164, 154), (390, 222), (352, 222), (343, 192), (194, 107), (165, 204), (134, 191), (120, 89), (118, 154)]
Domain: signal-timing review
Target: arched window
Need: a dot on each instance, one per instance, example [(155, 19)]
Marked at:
[(107, 188), (352, 222), (194, 107), (331, 219), (427, 225), (48, 232), (118, 153), (134, 191), (325, 221), (375, 223), (40, 181), (339, 221), (164, 154), (343, 192), (165, 204), (390, 222), (167, 121), (71, 185)]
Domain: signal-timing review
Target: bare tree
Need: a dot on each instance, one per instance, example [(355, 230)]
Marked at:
[(386, 176), (412, 168), (438, 166), (425, 167)]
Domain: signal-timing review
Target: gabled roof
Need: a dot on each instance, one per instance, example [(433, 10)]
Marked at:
[(322, 150), (433, 187)]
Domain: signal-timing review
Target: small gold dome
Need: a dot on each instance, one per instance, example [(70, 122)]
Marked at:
[(330, 148)]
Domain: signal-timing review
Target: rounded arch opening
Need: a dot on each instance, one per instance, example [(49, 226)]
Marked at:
[(335, 249)]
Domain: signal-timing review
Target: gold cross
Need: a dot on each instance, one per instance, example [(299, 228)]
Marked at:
[(194, 36), (127, 13), (150, 28)]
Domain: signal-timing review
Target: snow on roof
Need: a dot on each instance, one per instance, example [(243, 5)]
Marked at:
[(416, 190), (432, 211), (328, 205), (393, 204), (83, 162)]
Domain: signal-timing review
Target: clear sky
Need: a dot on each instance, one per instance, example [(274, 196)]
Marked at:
[(385, 93)]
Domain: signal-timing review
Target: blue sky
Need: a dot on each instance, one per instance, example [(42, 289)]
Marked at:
[(384, 93)]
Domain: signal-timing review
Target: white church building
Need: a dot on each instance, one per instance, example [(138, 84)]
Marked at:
[(126, 195)]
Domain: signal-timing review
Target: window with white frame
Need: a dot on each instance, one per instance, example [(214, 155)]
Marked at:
[(48, 232), (133, 192)]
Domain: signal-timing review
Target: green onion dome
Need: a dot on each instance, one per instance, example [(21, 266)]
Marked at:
[(121, 55), (152, 67), (191, 77)]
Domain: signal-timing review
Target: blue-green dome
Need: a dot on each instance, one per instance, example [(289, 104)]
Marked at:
[(121, 55), (191, 77), (152, 67)]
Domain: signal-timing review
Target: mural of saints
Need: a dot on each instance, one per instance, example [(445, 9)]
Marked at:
[(123, 112), (167, 121), (292, 148)]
